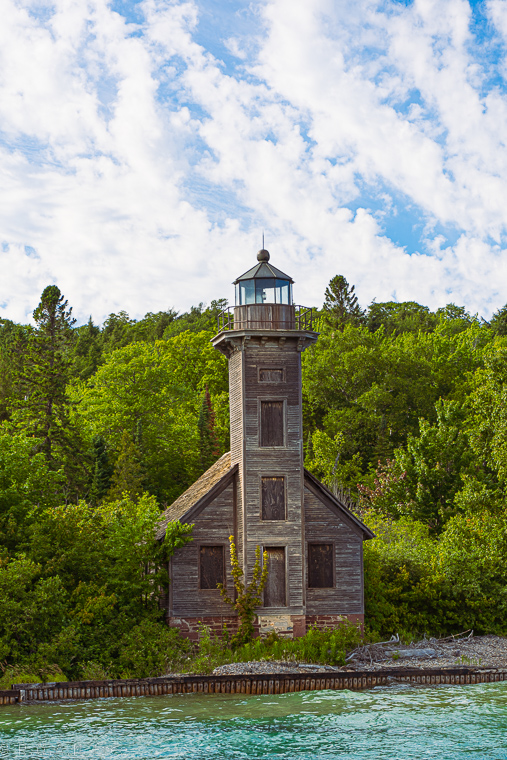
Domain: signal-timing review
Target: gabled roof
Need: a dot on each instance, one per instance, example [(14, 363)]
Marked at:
[(200, 493), (217, 478), (263, 269), (332, 502)]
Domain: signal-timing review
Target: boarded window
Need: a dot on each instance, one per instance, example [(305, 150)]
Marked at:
[(271, 423), (274, 590), (212, 566), (271, 375), (273, 498), (320, 565)]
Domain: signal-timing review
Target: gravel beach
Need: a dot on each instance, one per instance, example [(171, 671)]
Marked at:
[(467, 650)]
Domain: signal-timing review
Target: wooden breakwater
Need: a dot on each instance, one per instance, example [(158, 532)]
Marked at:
[(266, 683)]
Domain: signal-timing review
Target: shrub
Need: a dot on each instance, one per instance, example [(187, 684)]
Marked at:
[(150, 649)]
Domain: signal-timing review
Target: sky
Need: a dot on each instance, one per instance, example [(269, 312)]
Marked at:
[(146, 146)]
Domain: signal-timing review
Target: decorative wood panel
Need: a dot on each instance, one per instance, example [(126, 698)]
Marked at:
[(211, 566), (320, 566), (272, 423), (273, 498), (269, 375), (275, 588)]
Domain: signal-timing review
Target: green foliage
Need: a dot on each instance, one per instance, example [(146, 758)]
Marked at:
[(427, 474), (403, 407), (498, 321), (87, 353), (150, 648), (27, 486), (152, 391), (209, 448), (42, 673), (487, 423), (325, 645), (102, 471), (33, 608), (94, 575), (248, 596), (40, 407), (417, 584), (341, 306), (397, 318), (368, 391), (42, 383), (128, 477)]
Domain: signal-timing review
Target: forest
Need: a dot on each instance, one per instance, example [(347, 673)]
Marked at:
[(101, 427)]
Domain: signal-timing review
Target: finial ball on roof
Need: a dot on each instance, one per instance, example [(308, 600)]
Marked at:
[(263, 255)]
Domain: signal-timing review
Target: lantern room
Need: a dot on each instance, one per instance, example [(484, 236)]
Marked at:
[(263, 284), (264, 298)]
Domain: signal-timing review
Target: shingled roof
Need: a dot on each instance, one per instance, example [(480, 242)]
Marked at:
[(203, 490)]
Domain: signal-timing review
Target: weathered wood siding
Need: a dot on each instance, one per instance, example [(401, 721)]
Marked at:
[(272, 354), (271, 316), (213, 526), (236, 402), (322, 525)]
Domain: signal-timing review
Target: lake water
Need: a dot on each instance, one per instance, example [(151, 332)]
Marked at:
[(397, 723)]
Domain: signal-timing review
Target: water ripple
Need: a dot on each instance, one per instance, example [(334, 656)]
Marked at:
[(406, 723)]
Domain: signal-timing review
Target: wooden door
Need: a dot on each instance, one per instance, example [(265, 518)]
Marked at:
[(274, 590)]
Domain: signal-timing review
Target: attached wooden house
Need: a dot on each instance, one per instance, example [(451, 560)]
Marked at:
[(260, 492)]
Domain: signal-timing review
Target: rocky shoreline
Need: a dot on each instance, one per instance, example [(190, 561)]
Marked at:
[(464, 650)]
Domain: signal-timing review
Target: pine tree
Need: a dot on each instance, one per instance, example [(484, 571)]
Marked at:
[(341, 306), (102, 472), (208, 442), (87, 350), (128, 475), (42, 371), (499, 321)]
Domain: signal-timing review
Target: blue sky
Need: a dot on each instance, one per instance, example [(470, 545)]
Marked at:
[(144, 146)]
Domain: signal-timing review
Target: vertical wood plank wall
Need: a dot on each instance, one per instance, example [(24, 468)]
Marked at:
[(274, 461), (236, 402), (213, 526), (323, 526)]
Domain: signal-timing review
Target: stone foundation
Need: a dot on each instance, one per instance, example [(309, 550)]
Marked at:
[(292, 626), (326, 621), (189, 626)]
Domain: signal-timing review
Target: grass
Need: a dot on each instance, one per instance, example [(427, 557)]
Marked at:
[(160, 650), (326, 646)]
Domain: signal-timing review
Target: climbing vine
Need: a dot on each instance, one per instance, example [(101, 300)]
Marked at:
[(248, 596)]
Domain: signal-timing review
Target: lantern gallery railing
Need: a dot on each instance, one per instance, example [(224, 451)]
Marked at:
[(266, 316)]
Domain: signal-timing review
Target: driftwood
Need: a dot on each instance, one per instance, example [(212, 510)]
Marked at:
[(386, 650)]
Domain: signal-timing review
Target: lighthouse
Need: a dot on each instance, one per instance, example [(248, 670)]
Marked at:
[(260, 492)]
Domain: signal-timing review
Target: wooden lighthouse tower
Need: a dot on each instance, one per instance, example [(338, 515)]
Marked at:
[(259, 491)]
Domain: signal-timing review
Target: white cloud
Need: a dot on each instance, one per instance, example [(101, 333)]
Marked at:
[(141, 170)]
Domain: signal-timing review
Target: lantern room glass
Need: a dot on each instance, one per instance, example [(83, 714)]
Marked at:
[(263, 290)]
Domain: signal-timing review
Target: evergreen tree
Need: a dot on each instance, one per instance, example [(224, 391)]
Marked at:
[(11, 335), (341, 306), (209, 448), (41, 377), (499, 321), (87, 350), (128, 475), (102, 471)]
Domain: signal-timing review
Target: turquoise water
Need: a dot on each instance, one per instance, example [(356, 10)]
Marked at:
[(467, 722)]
